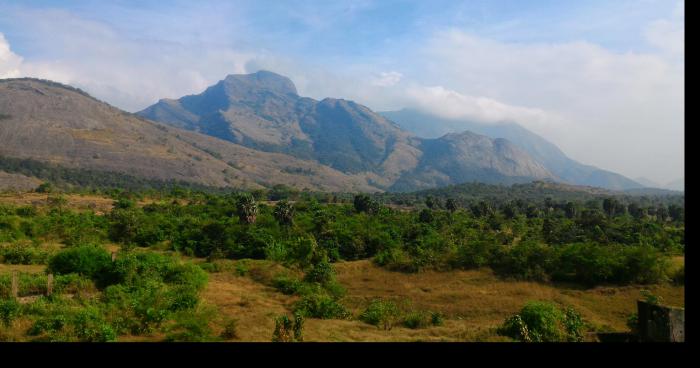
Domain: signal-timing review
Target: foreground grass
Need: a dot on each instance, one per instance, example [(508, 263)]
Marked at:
[(474, 302)]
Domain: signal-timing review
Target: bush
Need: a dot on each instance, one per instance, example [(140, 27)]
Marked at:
[(320, 306), (381, 313), (525, 261), (288, 285), (288, 331), (574, 325), (543, 322), (23, 252), (321, 272), (283, 330), (89, 325), (10, 309), (191, 326), (49, 324), (474, 255), (90, 261), (644, 265), (417, 319), (437, 318)]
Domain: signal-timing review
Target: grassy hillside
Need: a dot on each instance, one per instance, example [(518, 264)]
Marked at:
[(63, 127)]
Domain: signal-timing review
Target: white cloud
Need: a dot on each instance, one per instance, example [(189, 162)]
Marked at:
[(621, 111), (130, 74), (669, 34), (454, 105), (387, 79), (9, 62)]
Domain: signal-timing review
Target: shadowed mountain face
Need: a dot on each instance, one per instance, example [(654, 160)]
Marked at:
[(53, 123), (263, 111), (550, 156)]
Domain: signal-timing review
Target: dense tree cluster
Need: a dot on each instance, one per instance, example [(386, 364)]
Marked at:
[(600, 240)]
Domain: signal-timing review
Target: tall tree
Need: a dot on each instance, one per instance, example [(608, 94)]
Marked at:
[(284, 213), (247, 209)]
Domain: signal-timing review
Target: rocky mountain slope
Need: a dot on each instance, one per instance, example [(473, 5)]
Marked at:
[(263, 111), (549, 155)]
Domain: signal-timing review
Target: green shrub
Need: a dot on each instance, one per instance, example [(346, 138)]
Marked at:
[(191, 326), (287, 330), (89, 325), (474, 255), (283, 330), (543, 322), (417, 319), (298, 327), (321, 306), (321, 272), (27, 211), (276, 251), (10, 309), (437, 318), (574, 325), (644, 265), (381, 313), (288, 285), (23, 252), (526, 261), (48, 324), (90, 261)]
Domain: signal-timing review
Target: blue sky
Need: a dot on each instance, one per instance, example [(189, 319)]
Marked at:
[(353, 29), (591, 76)]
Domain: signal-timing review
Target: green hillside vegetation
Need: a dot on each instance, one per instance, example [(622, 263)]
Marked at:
[(151, 289)]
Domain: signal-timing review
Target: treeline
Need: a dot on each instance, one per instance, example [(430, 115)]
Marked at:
[(87, 180), (534, 192), (591, 243)]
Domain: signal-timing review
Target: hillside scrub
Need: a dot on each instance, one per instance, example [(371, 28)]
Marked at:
[(138, 293), (580, 242)]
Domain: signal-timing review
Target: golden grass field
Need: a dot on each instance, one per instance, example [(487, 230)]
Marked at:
[(474, 302)]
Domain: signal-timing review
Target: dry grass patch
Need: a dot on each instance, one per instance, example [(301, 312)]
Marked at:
[(33, 269), (253, 304), (483, 301)]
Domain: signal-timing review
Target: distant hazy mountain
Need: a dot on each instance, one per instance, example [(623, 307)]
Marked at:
[(647, 183), (543, 151), (678, 184), (263, 111)]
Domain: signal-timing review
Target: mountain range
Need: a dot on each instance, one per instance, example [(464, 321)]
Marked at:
[(254, 130), (677, 184), (549, 155), (263, 111)]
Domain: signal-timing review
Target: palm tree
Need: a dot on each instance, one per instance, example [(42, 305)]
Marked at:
[(247, 209), (284, 213)]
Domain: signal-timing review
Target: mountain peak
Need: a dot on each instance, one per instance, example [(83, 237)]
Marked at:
[(263, 80)]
